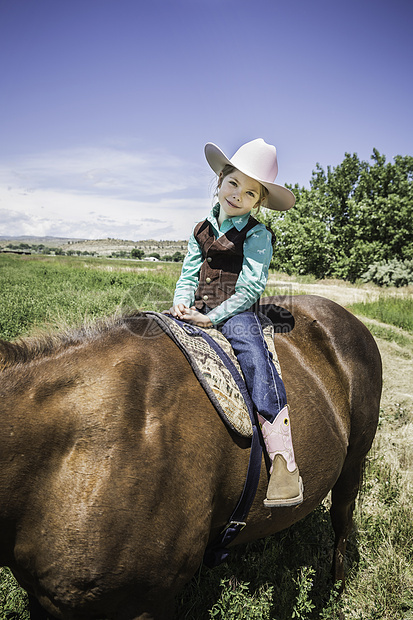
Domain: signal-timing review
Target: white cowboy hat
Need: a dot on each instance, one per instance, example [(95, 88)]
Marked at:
[(257, 160)]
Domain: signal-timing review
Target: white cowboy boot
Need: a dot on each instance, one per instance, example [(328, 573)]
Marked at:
[(285, 487)]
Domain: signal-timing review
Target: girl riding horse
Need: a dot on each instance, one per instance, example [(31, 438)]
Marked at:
[(223, 276)]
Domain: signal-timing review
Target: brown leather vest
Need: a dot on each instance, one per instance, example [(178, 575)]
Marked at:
[(222, 263)]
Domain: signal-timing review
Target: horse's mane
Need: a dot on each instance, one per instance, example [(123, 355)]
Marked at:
[(49, 343)]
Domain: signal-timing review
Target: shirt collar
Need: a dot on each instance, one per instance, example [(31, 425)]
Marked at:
[(238, 221)]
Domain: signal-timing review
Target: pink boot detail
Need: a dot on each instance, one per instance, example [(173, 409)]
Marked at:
[(285, 487), (277, 437)]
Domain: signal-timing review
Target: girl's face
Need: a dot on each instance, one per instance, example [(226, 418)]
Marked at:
[(238, 194)]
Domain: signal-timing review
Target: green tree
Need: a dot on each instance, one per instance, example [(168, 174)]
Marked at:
[(302, 238), (353, 215), (178, 257), (137, 253)]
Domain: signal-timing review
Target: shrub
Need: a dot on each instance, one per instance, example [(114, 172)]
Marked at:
[(390, 273)]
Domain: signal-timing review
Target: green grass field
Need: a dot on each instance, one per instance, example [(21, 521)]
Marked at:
[(286, 576), (53, 291)]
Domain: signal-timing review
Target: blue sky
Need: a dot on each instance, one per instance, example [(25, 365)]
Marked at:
[(106, 105)]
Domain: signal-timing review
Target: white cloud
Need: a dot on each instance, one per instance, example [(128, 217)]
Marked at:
[(95, 193)]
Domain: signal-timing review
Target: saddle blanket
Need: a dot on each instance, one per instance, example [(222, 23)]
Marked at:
[(214, 376)]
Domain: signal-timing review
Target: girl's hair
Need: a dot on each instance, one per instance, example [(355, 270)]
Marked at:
[(228, 169)]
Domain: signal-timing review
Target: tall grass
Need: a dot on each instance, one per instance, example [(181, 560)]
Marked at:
[(282, 577), (394, 310)]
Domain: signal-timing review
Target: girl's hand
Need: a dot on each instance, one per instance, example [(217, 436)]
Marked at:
[(191, 315), (177, 311)]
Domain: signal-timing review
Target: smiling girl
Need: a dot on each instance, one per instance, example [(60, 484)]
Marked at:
[(223, 276)]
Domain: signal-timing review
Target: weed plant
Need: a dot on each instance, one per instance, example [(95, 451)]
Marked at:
[(285, 576), (13, 599)]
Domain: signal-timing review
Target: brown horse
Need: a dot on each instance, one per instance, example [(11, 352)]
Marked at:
[(116, 470)]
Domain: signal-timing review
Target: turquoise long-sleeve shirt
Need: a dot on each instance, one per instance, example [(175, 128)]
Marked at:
[(251, 280)]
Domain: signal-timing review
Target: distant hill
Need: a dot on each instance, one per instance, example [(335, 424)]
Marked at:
[(107, 246), (101, 247), (56, 241)]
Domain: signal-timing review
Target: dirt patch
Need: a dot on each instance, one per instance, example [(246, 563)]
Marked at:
[(397, 376)]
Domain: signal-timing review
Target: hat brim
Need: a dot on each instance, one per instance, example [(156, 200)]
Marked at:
[(279, 198)]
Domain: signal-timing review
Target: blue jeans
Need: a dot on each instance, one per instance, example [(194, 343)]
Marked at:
[(264, 384)]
